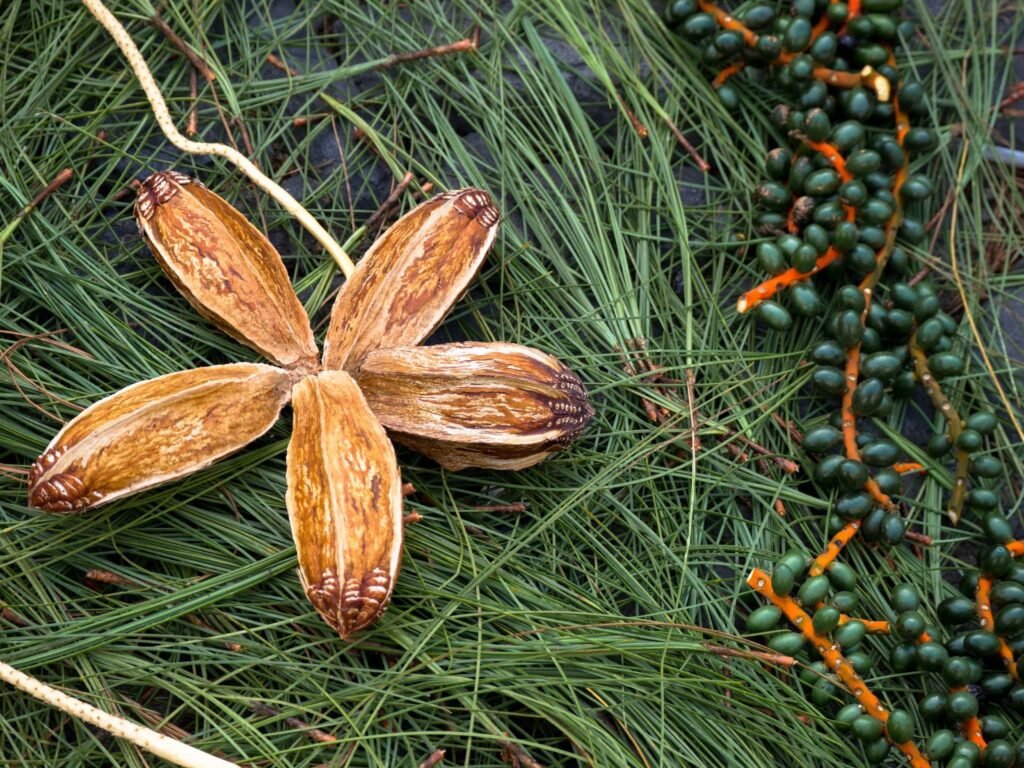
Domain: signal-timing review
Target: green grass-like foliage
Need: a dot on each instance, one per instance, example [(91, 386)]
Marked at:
[(577, 628)]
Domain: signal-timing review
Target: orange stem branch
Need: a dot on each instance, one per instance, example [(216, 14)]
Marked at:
[(850, 446), (773, 285), (832, 154), (726, 73), (903, 467), (839, 541), (971, 728), (834, 660), (873, 627), (727, 21), (983, 596)]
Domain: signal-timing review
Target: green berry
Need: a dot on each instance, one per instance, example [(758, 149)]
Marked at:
[(852, 474), (868, 397), (774, 315), (847, 135), (903, 657), (787, 643), (984, 422), (771, 194), (845, 601), (829, 353), (995, 561), (866, 728), (969, 440), (825, 619), (862, 162), (955, 610), (961, 705), (699, 26), (829, 380), (822, 183), (940, 744), (931, 656), (880, 453), (956, 671), (980, 643), (904, 598), (849, 635), (821, 439), (986, 466), (933, 706), (764, 619), (900, 726), (909, 624), (842, 576), (999, 754), (796, 561), (777, 163), (813, 590), (782, 580)]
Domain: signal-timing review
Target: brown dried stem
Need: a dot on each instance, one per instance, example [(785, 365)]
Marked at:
[(516, 756), (192, 126), (687, 146), (62, 178), (314, 734), (435, 758), (954, 426), (187, 50), (767, 656), (460, 46), (278, 63), (389, 201)]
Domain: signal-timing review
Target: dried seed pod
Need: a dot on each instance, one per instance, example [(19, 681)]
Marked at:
[(225, 267), (475, 405), (410, 276), (156, 431), (344, 502)]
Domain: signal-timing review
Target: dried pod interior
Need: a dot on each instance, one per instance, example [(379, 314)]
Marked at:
[(411, 276), (156, 431), (475, 405), (344, 502), (483, 405), (226, 268)]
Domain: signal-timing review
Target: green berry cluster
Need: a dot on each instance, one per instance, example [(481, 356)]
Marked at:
[(841, 204)]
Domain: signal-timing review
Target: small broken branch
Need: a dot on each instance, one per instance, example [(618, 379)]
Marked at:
[(186, 50)]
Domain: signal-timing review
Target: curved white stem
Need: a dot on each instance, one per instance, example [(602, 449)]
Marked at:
[(160, 745), (232, 155)]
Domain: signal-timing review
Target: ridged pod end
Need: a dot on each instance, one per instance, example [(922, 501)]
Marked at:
[(475, 204), (572, 413), (157, 190), (354, 606), (62, 493)]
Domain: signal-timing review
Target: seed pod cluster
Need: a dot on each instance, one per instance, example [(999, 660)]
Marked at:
[(485, 405), (838, 216)]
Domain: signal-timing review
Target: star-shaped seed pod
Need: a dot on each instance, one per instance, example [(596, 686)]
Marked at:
[(465, 405)]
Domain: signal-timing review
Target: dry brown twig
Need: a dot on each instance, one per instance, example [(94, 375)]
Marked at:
[(197, 61), (317, 735), (435, 758), (278, 63), (460, 46), (516, 756), (389, 201)]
